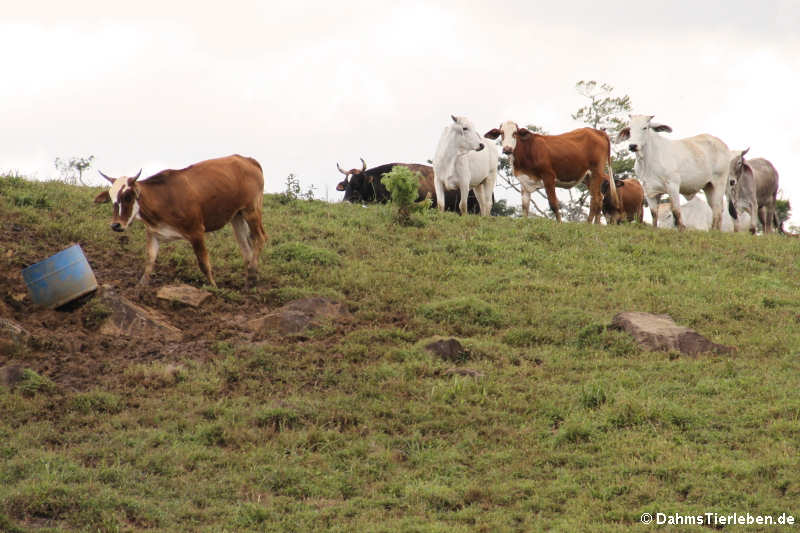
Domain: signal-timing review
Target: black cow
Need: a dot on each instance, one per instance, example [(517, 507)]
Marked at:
[(365, 185)]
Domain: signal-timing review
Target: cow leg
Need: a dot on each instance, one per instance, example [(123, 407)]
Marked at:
[(768, 217), (550, 186), (462, 203), (152, 253), (526, 202), (652, 203), (439, 187), (675, 202), (596, 191), (762, 216), (484, 199), (714, 195), (257, 238), (199, 246), (243, 238)]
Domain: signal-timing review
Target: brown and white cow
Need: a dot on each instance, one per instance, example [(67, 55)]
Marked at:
[(187, 203), (563, 161), (631, 199)]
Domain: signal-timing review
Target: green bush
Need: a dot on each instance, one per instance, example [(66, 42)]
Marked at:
[(403, 186)]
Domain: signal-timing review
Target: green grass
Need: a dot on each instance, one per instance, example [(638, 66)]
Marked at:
[(357, 427)]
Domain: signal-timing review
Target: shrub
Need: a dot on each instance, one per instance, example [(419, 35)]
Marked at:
[(403, 186)]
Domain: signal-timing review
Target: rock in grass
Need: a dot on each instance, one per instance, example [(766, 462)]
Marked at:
[(185, 294), (447, 349), (10, 375), (660, 332), (131, 320), (297, 316)]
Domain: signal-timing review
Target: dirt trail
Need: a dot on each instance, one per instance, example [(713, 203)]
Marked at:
[(65, 345)]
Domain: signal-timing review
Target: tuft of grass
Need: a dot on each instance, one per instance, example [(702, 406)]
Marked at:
[(33, 384)]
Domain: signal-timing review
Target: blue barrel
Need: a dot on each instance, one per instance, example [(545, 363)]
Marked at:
[(60, 278)]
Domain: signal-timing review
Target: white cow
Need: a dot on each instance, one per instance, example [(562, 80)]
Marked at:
[(464, 160), (696, 214), (685, 166)]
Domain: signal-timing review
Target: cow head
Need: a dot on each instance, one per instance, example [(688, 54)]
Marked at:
[(465, 137), (737, 167), (124, 193), (638, 132), (508, 133), (353, 183)]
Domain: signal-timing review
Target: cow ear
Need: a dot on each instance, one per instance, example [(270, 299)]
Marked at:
[(660, 127), (624, 134), (102, 198), (340, 186), (369, 178), (493, 133), (522, 133), (619, 183)]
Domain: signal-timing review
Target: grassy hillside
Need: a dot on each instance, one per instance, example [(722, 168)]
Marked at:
[(355, 426)]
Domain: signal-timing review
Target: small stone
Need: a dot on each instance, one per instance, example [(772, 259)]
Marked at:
[(185, 294)]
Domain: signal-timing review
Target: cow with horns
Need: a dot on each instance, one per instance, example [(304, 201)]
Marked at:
[(187, 203), (365, 185)]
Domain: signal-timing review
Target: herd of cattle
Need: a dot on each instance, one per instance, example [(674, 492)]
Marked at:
[(187, 203)]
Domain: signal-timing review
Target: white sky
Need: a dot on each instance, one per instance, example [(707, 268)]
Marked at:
[(301, 86)]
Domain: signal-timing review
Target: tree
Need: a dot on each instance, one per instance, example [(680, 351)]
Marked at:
[(606, 112), (72, 170), (603, 112)]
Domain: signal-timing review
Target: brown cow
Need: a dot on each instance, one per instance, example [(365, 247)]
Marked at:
[(563, 161), (187, 203), (631, 196)]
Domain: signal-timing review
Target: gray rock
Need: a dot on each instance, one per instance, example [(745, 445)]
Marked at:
[(447, 349), (660, 332), (297, 316), (131, 320)]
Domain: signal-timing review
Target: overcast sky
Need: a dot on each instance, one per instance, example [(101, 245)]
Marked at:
[(301, 86)]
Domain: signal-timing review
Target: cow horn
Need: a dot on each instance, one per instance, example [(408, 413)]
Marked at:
[(111, 180), (136, 177), (744, 152), (363, 164), (340, 169)]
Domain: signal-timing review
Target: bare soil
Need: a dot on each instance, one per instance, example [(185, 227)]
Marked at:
[(65, 345)]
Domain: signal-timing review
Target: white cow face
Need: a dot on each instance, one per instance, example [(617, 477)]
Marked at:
[(123, 193), (638, 132), (465, 135), (508, 135)]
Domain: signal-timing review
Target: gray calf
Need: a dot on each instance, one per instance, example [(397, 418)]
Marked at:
[(753, 188)]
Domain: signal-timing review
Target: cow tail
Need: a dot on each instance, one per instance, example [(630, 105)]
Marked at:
[(612, 187)]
